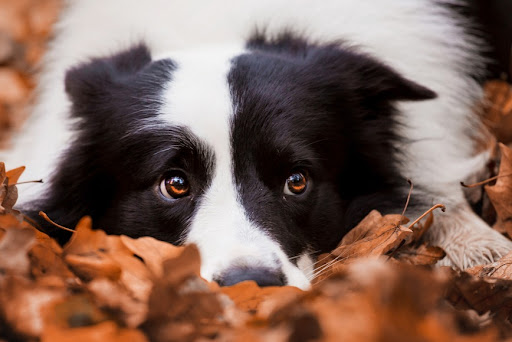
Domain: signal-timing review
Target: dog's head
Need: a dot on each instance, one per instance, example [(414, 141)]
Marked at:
[(263, 158)]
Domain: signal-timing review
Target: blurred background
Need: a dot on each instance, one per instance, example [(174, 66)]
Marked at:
[(26, 27)]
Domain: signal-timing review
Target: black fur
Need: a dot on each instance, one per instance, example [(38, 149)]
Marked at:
[(328, 111), (113, 169)]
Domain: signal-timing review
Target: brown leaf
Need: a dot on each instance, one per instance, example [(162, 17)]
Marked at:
[(86, 253), (14, 175), (500, 194), (74, 311), (372, 300), (422, 255), (248, 296), (106, 331), (9, 191), (115, 297), (22, 303), (93, 254), (501, 269), (7, 47), (90, 267), (195, 310), (375, 235), (152, 251), (46, 261), (369, 225), (480, 294), (14, 247), (498, 112)]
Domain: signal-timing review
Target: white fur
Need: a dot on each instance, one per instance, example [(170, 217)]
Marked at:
[(198, 98), (417, 38)]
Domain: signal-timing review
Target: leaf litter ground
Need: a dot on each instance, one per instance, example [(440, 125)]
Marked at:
[(378, 284)]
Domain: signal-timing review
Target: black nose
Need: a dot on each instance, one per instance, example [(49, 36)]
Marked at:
[(261, 275)]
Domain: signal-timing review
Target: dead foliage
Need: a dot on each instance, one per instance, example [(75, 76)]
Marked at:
[(378, 284)]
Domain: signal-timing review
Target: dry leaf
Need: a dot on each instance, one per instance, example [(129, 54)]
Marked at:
[(369, 225), (8, 190), (485, 296), (501, 269), (14, 248), (106, 331), (248, 296), (195, 310), (93, 254), (152, 251), (498, 112), (422, 255), (500, 194), (374, 236), (22, 303)]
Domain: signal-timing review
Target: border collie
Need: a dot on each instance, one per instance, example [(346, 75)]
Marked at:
[(262, 131)]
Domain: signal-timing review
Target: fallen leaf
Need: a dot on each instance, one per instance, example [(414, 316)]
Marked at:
[(7, 47), (9, 191), (373, 300), (195, 310), (152, 251), (500, 194), (370, 225), (22, 303), (106, 331), (93, 254), (74, 311), (374, 236), (501, 269), (46, 261), (248, 296), (14, 247), (480, 294), (498, 109), (114, 296), (422, 255)]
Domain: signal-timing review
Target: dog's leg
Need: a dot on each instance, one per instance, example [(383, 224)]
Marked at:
[(467, 240)]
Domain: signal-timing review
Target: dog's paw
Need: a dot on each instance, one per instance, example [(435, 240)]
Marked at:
[(467, 240), (482, 250)]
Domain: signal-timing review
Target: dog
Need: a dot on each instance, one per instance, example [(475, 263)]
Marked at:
[(261, 131)]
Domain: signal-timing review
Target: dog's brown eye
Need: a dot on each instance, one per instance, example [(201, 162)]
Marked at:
[(175, 185), (295, 184)]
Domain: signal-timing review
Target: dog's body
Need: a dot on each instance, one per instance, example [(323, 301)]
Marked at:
[(276, 126)]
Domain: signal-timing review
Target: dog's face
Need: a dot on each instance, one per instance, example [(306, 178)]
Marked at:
[(263, 158)]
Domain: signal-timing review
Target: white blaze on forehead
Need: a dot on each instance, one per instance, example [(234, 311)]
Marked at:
[(198, 97)]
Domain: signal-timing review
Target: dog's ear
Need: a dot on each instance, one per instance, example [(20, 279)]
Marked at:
[(105, 87), (94, 80), (367, 77), (379, 81), (375, 80)]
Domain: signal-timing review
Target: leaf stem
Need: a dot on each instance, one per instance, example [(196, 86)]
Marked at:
[(474, 185), (406, 202), (43, 215), (442, 206)]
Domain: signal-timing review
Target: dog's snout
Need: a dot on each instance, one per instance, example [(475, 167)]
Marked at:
[(261, 275)]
